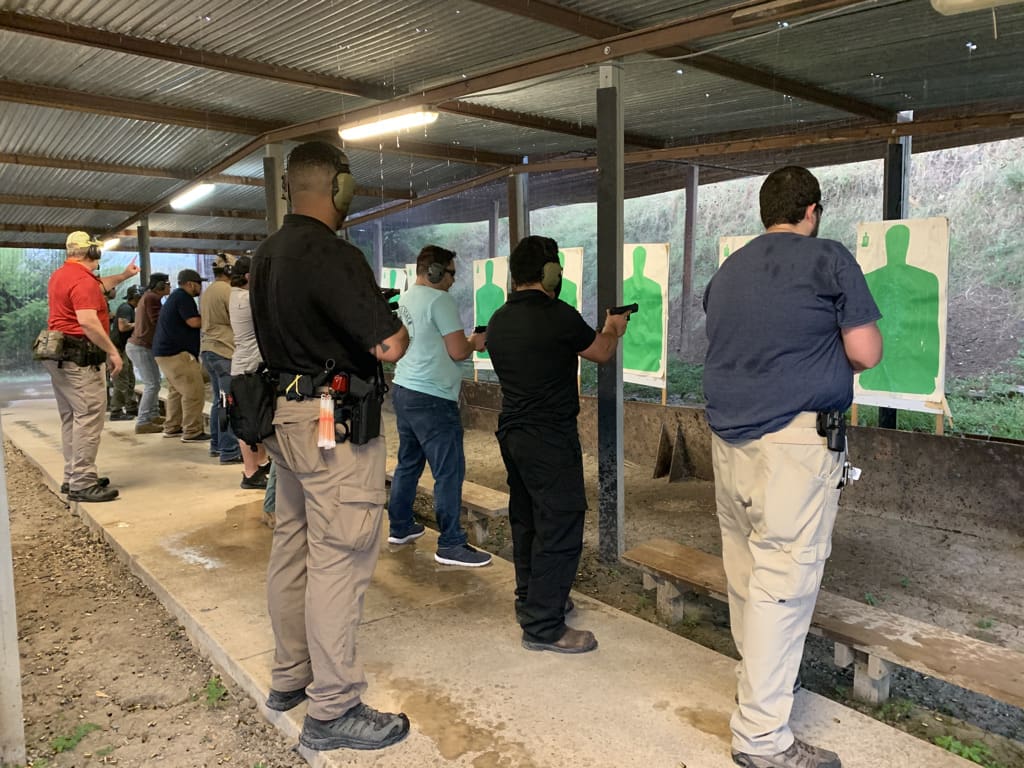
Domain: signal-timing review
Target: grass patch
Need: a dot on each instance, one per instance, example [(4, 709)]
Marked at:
[(215, 691), (976, 752), (67, 743), (894, 710)]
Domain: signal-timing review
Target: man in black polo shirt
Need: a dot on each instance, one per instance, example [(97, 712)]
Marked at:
[(318, 312), (534, 341)]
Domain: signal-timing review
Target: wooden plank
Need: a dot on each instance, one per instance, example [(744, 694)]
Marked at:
[(973, 664), (477, 498)]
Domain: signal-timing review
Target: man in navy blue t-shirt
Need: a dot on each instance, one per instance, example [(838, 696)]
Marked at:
[(176, 349), (789, 320)]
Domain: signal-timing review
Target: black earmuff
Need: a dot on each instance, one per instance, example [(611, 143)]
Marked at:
[(551, 279), (435, 273), (93, 252)]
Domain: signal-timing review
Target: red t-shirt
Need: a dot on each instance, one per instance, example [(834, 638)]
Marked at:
[(73, 287)]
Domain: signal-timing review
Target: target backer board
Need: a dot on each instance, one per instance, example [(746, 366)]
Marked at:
[(906, 265), (731, 244), (490, 289), (572, 277), (410, 275), (393, 277), (645, 345)]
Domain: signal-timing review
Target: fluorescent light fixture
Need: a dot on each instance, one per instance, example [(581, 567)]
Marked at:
[(393, 123), (953, 7), (191, 195), (111, 244)]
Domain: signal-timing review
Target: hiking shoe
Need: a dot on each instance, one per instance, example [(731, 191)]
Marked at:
[(255, 482), (415, 531), (173, 432), (94, 493), (573, 641), (362, 727), (799, 755), (282, 701), (102, 482), (158, 420), (148, 428), (464, 555), (199, 437)]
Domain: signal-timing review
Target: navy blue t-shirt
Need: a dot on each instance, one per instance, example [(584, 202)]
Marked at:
[(774, 313), (173, 334)]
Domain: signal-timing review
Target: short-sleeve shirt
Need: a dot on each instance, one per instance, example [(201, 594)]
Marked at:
[(213, 306), (73, 287), (429, 314), (775, 312), (246, 357), (535, 342), (146, 315), (315, 301), (173, 335), (124, 312)]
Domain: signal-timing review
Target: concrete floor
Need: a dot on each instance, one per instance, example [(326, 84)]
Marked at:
[(438, 643)]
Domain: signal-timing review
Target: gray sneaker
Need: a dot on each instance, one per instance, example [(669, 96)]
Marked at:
[(799, 755), (463, 555), (362, 727)]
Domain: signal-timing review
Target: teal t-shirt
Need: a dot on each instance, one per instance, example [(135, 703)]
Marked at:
[(429, 314)]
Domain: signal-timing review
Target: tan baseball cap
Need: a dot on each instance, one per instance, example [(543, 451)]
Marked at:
[(81, 241)]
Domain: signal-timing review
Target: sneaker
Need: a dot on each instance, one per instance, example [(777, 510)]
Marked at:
[(362, 727), (119, 416), (214, 453), (799, 755), (254, 482), (264, 468), (199, 437), (173, 432), (234, 460), (102, 482), (573, 641), (415, 531), (159, 420), (282, 701), (94, 493), (464, 555), (147, 428)]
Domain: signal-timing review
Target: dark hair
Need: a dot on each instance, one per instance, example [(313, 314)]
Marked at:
[(785, 195), (156, 278), (239, 272), (526, 264), (433, 254), (314, 156)]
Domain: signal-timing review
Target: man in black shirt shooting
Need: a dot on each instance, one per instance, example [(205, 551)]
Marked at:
[(323, 328)]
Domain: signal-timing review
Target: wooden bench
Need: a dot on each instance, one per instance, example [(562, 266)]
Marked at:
[(480, 503), (871, 639)]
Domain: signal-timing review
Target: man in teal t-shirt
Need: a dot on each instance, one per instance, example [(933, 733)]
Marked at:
[(425, 396)]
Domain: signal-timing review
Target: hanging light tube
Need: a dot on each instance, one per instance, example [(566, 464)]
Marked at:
[(192, 195), (393, 123)]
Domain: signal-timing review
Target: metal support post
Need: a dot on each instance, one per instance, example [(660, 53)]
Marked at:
[(273, 187), (518, 209), (145, 260)]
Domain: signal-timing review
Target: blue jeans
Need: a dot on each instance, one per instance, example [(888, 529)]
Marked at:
[(224, 441), (429, 430), (148, 373)]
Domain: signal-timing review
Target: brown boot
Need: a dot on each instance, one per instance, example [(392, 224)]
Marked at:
[(573, 641)]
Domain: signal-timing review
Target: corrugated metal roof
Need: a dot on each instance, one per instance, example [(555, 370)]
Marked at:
[(61, 182)]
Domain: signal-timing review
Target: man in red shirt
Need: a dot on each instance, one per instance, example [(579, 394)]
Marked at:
[(78, 309)]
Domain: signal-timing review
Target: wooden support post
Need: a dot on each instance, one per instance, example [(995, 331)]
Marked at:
[(478, 527), (649, 582), (663, 460), (844, 655), (670, 605), (871, 678)]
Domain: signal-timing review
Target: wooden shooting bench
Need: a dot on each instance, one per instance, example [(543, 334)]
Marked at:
[(480, 503), (869, 638)]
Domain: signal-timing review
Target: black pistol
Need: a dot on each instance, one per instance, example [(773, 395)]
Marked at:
[(634, 307)]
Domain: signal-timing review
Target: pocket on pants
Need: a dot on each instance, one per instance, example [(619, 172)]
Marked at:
[(358, 516), (793, 574), (297, 443)]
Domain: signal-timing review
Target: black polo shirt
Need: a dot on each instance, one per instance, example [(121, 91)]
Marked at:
[(534, 342), (314, 300)]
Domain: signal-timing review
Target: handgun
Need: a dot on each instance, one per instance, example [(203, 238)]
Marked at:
[(634, 307)]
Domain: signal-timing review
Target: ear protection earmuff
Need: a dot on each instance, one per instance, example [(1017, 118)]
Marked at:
[(551, 278), (159, 286), (435, 273), (343, 188), (93, 252)]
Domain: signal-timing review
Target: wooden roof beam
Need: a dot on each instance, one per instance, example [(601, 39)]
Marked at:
[(597, 28), (115, 41)]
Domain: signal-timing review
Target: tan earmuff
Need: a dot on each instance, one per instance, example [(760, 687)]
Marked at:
[(343, 188), (552, 276)]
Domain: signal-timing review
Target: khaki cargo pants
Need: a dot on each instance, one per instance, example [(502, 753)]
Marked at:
[(329, 507), (81, 393), (777, 499)]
